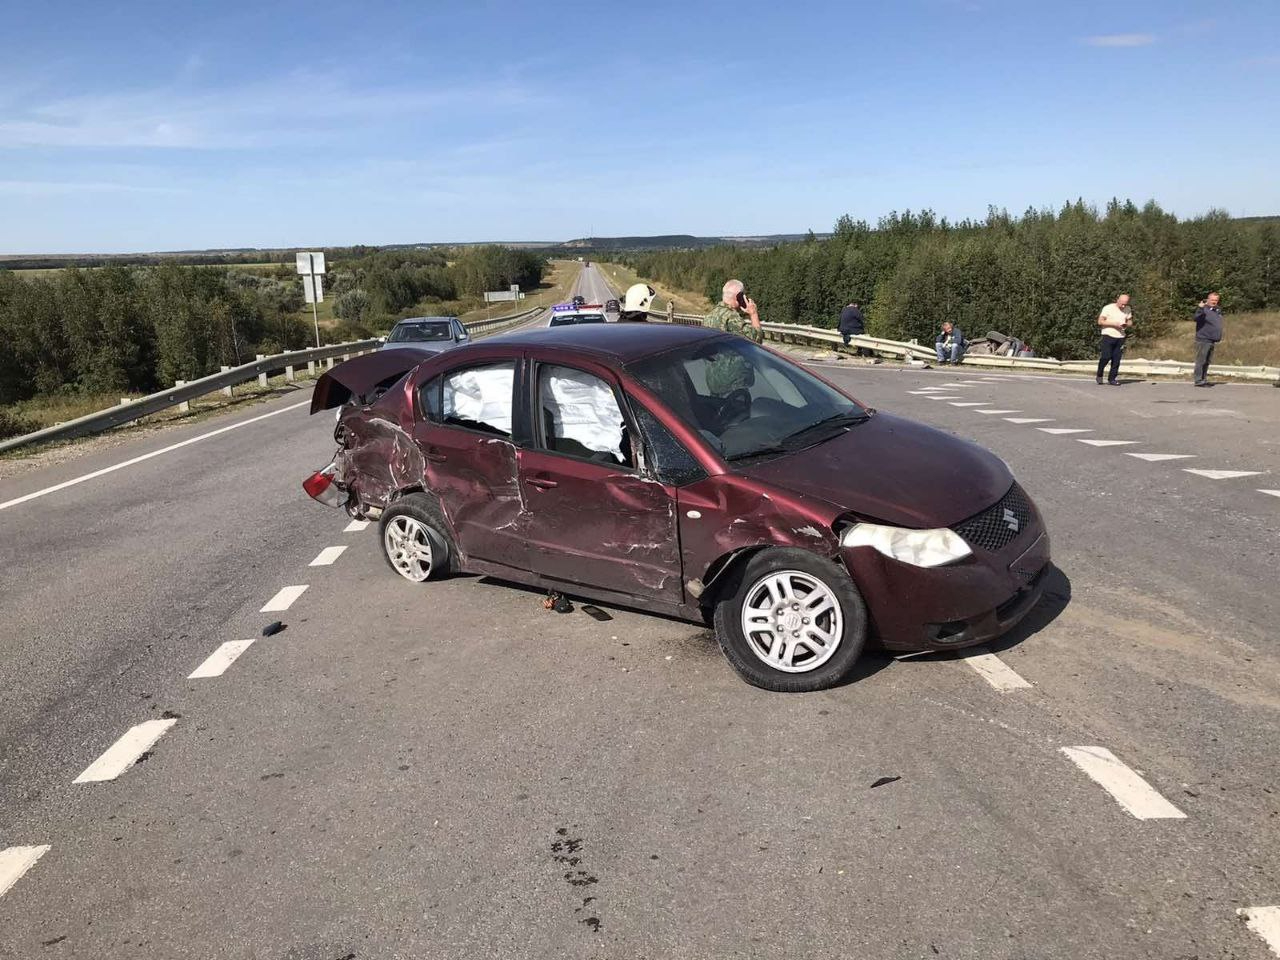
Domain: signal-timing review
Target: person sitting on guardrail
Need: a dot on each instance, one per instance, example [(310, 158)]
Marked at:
[(852, 323), (949, 344), (636, 302)]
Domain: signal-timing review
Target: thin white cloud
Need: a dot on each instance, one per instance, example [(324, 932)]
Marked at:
[(261, 114), (1121, 40)]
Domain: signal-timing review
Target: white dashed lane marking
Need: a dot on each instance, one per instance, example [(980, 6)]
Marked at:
[(327, 556), (1126, 787), (1222, 474), (218, 661), (355, 526), (1264, 921), (935, 396), (1059, 431), (15, 861), (997, 411), (1030, 419), (1157, 457), (968, 403), (1107, 443), (994, 670), (284, 599), (124, 753), (1274, 493)]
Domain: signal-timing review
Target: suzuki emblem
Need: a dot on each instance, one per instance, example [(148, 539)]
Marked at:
[(1010, 520)]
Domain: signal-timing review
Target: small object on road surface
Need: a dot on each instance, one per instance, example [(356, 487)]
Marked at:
[(272, 628), (557, 602), (595, 613), (885, 780)]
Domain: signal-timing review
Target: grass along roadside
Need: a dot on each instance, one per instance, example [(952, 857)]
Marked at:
[(686, 301), (1249, 339), (554, 288)]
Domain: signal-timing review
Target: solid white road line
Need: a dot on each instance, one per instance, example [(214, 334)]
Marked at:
[(1030, 419), (1125, 786), (997, 411), (355, 526), (1059, 431), (994, 670), (15, 861), (326, 556), (1274, 493), (1107, 443), (147, 456), (1264, 921), (284, 599), (218, 661), (969, 403), (1222, 474), (124, 753), (1157, 457)]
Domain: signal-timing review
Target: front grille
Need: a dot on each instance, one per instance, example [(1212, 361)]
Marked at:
[(999, 525)]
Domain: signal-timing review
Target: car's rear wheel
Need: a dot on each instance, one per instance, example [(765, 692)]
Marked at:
[(791, 621), (413, 540)]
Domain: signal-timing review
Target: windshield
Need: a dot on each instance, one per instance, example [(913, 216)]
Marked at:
[(564, 319), (745, 401), (421, 332)]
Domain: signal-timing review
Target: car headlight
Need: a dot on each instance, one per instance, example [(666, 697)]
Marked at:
[(920, 548)]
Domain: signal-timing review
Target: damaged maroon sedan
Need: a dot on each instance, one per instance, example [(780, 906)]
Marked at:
[(691, 473)]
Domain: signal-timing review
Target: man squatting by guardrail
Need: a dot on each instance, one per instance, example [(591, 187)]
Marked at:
[(1113, 324)]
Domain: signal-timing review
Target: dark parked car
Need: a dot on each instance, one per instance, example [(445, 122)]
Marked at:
[(691, 473), (426, 334), (612, 306)]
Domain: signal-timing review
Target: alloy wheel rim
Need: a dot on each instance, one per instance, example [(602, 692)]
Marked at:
[(408, 548), (792, 621)]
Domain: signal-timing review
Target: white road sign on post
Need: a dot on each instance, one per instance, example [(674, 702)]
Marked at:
[(311, 268)]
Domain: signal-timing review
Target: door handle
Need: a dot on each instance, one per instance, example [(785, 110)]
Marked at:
[(541, 483), (434, 455)]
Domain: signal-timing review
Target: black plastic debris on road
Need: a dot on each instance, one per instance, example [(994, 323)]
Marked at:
[(885, 780), (557, 602), (272, 628), (596, 613)]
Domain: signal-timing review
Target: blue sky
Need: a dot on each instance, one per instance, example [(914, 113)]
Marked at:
[(150, 126)]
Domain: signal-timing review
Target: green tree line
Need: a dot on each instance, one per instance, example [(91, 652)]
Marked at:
[(140, 328), (1042, 277)]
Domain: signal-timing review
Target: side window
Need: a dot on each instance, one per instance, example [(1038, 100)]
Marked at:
[(479, 398), (670, 461), (580, 416), (429, 399)]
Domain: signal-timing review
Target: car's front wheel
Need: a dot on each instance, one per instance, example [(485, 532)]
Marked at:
[(791, 621), (413, 541)]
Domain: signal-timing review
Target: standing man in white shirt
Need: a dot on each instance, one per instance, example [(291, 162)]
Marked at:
[(1113, 323)]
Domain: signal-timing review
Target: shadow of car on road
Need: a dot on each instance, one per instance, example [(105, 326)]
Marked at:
[(1055, 598)]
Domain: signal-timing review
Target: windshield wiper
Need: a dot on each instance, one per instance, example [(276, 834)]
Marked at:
[(837, 420), (758, 452)]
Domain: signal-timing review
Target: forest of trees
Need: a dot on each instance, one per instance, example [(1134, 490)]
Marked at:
[(1042, 277), (140, 328)]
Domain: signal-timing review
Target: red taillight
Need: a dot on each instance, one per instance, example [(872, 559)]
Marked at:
[(317, 484), (320, 487)]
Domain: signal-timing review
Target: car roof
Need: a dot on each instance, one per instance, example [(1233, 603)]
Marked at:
[(424, 320), (620, 342)]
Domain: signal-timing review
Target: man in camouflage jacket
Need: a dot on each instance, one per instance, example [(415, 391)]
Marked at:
[(735, 313)]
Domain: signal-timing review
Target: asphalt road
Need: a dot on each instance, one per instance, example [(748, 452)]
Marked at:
[(451, 771)]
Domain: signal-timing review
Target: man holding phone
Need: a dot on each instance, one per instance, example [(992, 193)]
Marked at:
[(735, 313), (1113, 324)]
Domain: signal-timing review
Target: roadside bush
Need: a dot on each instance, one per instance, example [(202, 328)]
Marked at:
[(14, 425)]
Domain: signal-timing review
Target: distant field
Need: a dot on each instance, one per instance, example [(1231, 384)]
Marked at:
[(554, 289), (686, 301), (251, 267), (1249, 339)]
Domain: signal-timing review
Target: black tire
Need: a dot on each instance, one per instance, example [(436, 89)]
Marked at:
[(424, 511), (740, 651)]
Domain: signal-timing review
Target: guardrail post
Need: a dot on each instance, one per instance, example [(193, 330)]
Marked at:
[(226, 391), (124, 401), (328, 362), (262, 377), (288, 372), (311, 368), (346, 356), (184, 406)]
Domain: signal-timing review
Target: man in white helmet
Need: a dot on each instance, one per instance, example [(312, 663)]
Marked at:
[(636, 303)]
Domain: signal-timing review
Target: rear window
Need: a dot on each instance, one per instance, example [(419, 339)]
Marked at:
[(421, 332)]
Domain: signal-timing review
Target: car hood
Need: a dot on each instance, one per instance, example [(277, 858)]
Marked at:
[(895, 470), (359, 375)]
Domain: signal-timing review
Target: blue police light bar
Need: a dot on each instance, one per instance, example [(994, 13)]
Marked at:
[(560, 307)]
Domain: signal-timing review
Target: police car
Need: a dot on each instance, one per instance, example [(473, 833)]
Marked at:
[(566, 314)]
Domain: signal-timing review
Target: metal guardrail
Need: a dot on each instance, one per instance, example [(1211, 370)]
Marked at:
[(488, 326), (898, 350)]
